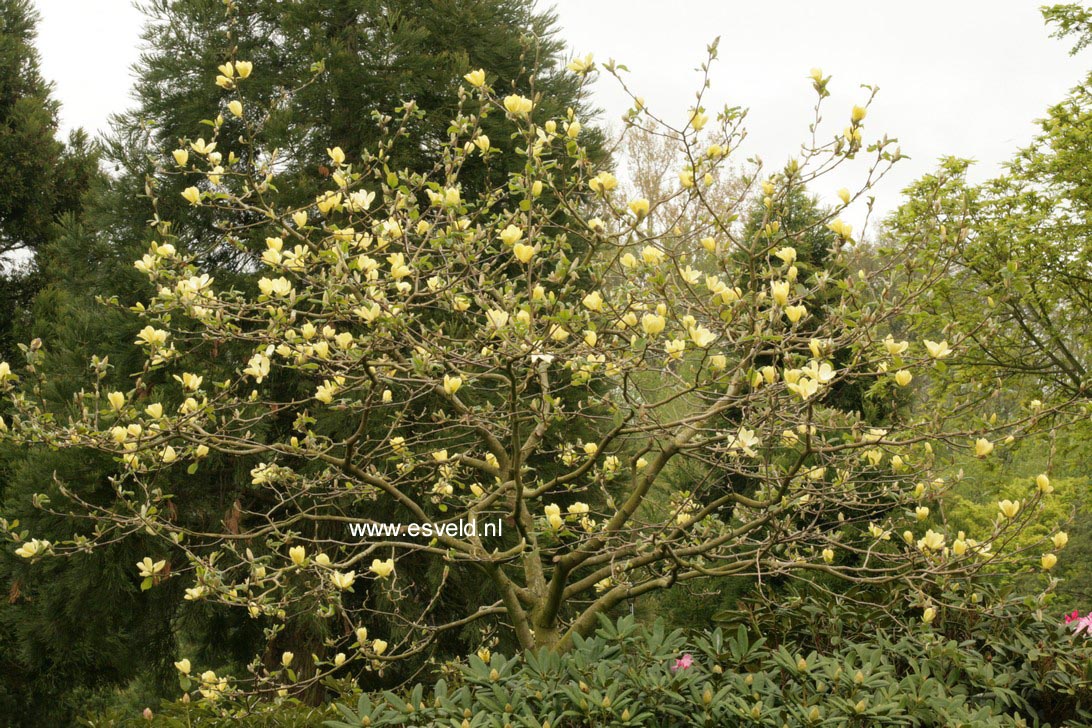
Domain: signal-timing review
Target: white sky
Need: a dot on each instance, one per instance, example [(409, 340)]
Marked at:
[(963, 77)]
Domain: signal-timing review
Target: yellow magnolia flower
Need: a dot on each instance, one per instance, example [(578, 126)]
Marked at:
[(148, 568), (327, 202), (787, 254), (511, 235), (903, 377), (1008, 508), (382, 568), (593, 301), (201, 147), (517, 105), (523, 252), (921, 512), (553, 516), (895, 348), (701, 336), (343, 581), (169, 455), (497, 318), (841, 228), (928, 615), (932, 541), (804, 387), (116, 399), (152, 336), (337, 156), (982, 447), (275, 286), (795, 313), (183, 666), (379, 647), (190, 382), (843, 195), (1060, 540), (937, 350), (639, 207), (698, 119), (1048, 561), (1042, 482), (581, 66), (780, 292), (653, 324), (258, 367), (652, 256), (181, 156), (236, 108), (243, 68), (675, 348), (192, 195), (32, 548), (298, 554), (578, 509), (858, 114), (602, 183), (476, 78), (828, 556), (452, 384)]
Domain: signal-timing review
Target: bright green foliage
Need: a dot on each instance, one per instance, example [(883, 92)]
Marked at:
[(1071, 19), (1020, 298)]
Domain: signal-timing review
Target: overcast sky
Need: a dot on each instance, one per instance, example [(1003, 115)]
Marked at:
[(963, 77)]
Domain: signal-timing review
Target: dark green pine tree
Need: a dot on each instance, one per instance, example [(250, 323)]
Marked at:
[(374, 55), (41, 179), (43, 187)]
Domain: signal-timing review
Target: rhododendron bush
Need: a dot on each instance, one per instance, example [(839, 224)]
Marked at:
[(550, 356)]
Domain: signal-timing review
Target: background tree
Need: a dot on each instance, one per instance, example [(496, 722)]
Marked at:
[(41, 178), (1018, 300)]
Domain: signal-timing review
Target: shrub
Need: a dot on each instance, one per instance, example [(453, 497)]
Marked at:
[(629, 674)]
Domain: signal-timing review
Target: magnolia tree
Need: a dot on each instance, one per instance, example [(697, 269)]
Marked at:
[(542, 391)]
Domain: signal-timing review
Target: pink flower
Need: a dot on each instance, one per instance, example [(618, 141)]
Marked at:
[(1079, 623), (683, 662)]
